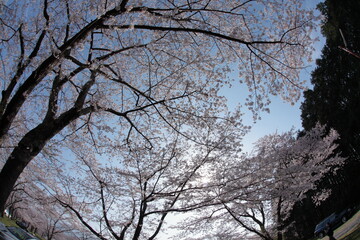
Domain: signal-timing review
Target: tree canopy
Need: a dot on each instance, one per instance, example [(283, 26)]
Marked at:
[(101, 91), (124, 73)]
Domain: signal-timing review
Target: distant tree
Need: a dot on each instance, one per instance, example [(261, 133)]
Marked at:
[(59, 225), (41, 214), (259, 192), (123, 72)]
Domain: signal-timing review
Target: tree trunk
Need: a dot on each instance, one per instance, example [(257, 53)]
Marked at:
[(29, 147), (31, 144), (140, 223), (279, 227)]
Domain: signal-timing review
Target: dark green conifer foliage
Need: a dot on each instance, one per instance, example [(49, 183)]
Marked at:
[(335, 98), (335, 101)]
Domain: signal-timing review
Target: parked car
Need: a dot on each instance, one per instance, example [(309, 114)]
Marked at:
[(21, 224), (21, 234), (5, 234), (334, 220)]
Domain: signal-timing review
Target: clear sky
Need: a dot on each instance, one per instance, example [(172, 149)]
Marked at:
[(283, 116)]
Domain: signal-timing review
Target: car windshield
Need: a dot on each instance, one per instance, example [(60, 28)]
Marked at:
[(21, 234), (6, 235), (323, 222)]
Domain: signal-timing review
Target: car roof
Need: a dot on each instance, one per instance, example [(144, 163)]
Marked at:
[(325, 221)]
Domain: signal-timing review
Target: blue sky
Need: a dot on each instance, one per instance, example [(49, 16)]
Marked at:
[(283, 116)]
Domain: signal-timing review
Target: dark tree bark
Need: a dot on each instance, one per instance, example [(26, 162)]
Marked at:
[(29, 147)]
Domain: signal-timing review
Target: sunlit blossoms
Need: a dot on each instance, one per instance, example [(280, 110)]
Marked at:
[(89, 86)]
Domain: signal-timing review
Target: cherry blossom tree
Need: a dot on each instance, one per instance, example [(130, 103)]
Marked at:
[(257, 193), (131, 193), (40, 213), (120, 73)]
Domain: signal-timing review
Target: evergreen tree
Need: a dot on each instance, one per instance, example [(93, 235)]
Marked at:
[(335, 97), (335, 101)]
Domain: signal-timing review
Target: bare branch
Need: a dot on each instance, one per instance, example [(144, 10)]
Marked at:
[(195, 30), (82, 220)]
